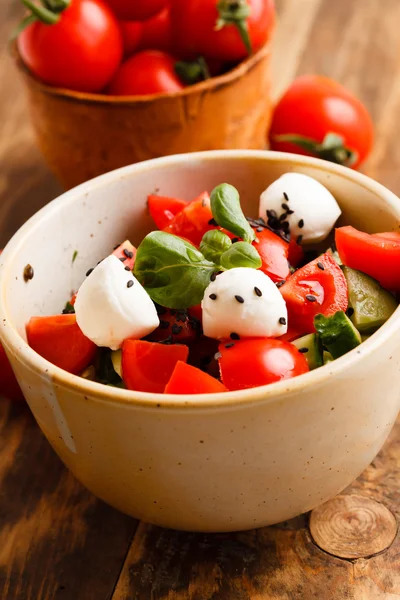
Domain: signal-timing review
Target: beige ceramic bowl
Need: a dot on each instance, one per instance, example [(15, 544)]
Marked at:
[(214, 462)]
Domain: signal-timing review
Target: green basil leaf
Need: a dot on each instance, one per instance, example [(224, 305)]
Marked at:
[(226, 210), (172, 271), (241, 254), (213, 244)]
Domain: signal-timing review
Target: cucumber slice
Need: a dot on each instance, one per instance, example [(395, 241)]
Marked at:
[(327, 357), (372, 305), (310, 345), (337, 333), (116, 359)]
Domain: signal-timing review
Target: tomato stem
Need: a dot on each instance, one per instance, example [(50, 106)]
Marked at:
[(26, 21), (41, 13), (192, 72), (48, 12), (235, 12), (332, 147)]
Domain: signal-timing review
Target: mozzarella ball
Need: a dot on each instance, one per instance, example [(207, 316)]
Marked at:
[(243, 302), (315, 210), (112, 306)]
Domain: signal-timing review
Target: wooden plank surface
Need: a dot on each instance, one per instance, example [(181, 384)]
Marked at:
[(56, 540)]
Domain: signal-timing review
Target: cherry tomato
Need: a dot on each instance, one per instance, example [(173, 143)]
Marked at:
[(254, 362), (81, 51), (131, 35), (196, 312), (315, 106), (156, 32), (148, 366), (163, 209), (273, 251), (176, 325), (136, 10), (193, 221), (318, 287), (195, 30), (60, 341), (148, 72), (186, 379), (377, 255), (9, 387)]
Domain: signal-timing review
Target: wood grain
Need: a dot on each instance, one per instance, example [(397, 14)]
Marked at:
[(56, 540)]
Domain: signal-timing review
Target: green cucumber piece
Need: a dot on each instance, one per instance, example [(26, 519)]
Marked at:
[(327, 357), (312, 349), (372, 305), (337, 333), (116, 359)]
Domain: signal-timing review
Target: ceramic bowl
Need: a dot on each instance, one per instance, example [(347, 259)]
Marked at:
[(84, 135), (210, 462)]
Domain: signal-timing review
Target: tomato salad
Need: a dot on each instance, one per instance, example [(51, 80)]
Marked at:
[(214, 301)]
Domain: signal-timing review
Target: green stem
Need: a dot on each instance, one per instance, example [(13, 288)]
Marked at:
[(332, 147), (192, 72), (235, 12), (41, 13), (26, 21)]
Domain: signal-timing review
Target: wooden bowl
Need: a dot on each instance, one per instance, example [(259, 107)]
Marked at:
[(84, 135)]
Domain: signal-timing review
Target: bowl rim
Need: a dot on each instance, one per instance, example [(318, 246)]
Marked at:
[(56, 376), (225, 79)]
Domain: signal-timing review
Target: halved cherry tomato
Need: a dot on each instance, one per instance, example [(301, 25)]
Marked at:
[(9, 387), (60, 341), (136, 10), (147, 72), (131, 36), (254, 362), (318, 287), (273, 251), (148, 366), (296, 253), (186, 379), (156, 32), (163, 209), (176, 325), (315, 106), (194, 220), (126, 252), (377, 255)]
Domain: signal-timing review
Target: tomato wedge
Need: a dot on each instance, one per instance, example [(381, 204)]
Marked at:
[(163, 209), (60, 341), (377, 255), (126, 252), (254, 362), (296, 253), (273, 251), (318, 287), (188, 380), (9, 387), (148, 366), (193, 221)]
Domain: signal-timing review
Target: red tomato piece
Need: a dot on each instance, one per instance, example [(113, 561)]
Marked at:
[(132, 32), (188, 380), (253, 362), (273, 251), (296, 253), (60, 341), (80, 52), (315, 106), (193, 221), (377, 255), (195, 32), (196, 312), (176, 325), (163, 209), (127, 253), (147, 72), (291, 334), (312, 290), (136, 10), (148, 366), (73, 300), (156, 32), (9, 387)]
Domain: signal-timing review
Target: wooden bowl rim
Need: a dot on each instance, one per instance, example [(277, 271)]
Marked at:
[(198, 88)]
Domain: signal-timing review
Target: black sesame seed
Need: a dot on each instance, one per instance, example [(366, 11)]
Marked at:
[(239, 299), (320, 266), (271, 214), (117, 246), (213, 276), (299, 239), (234, 240), (311, 298), (128, 253), (350, 311), (285, 226), (123, 258), (280, 283), (303, 350), (234, 336), (28, 273), (127, 268), (282, 321), (230, 345), (182, 318), (164, 324), (286, 196), (212, 222), (130, 283), (301, 223), (176, 329), (285, 206), (290, 212), (213, 296), (258, 292), (282, 218), (89, 272)]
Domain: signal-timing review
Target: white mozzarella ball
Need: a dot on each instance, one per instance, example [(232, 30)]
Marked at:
[(245, 302), (112, 306), (315, 210)]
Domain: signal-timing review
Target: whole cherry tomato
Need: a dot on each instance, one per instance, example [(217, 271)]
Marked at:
[(228, 30), (131, 36), (319, 117), (156, 32), (148, 72), (80, 51), (136, 10)]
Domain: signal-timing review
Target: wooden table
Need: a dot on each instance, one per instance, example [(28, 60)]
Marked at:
[(57, 541)]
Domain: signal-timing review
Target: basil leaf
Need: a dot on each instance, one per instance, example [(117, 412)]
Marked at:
[(214, 243), (241, 254), (226, 210), (172, 271)]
